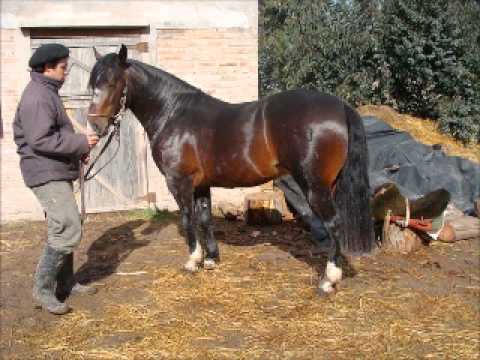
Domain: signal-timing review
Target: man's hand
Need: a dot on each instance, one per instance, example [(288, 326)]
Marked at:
[(85, 158), (92, 139)]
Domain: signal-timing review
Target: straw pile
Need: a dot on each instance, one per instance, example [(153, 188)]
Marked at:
[(261, 304), (423, 130)]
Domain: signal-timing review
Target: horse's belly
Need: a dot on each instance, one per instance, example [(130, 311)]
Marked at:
[(243, 173)]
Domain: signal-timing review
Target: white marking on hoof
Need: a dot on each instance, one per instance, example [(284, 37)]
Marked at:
[(191, 266), (195, 258), (326, 287), (209, 264), (333, 272)]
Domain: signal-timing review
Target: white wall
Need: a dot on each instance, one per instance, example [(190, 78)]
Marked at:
[(160, 13)]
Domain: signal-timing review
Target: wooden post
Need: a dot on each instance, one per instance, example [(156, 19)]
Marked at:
[(265, 207)]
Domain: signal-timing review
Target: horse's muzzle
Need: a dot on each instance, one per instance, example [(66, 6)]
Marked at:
[(99, 123)]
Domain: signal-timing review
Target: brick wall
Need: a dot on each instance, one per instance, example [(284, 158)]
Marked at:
[(16, 201), (220, 61), (8, 75)]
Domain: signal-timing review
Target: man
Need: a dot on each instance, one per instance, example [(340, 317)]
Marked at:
[(50, 152)]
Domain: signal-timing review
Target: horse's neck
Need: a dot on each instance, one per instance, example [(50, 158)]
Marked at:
[(155, 105)]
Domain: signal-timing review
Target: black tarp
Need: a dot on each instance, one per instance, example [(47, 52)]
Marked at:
[(417, 169)]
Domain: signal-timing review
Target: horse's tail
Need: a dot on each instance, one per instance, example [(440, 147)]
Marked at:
[(352, 191)]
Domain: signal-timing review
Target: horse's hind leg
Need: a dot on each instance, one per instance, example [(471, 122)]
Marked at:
[(203, 211), (183, 192), (324, 209)]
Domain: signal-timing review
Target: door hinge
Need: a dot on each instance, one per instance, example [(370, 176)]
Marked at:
[(150, 197), (142, 47)]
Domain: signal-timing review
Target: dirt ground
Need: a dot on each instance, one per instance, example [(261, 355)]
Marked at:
[(260, 303)]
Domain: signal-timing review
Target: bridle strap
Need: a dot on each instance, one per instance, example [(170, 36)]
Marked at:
[(81, 179), (115, 132), (84, 175), (123, 105), (121, 112)]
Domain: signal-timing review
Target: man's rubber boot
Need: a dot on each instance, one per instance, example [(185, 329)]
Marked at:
[(66, 283), (45, 280)]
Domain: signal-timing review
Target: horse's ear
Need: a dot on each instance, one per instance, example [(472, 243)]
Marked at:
[(122, 54), (98, 56)]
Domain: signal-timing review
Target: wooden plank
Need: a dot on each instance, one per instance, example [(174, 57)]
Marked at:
[(74, 43), (464, 227), (44, 33), (141, 150), (79, 128), (76, 101), (80, 64), (268, 186), (98, 178)]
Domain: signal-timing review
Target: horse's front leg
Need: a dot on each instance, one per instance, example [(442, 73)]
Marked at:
[(203, 212), (183, 192)]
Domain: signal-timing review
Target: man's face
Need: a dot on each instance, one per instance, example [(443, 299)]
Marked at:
[(59, 72)]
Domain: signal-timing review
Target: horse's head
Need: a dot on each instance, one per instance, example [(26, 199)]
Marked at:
[(108, 82)]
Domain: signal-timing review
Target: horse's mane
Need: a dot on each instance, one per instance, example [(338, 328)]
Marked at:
[(159, 82), (156, 75)]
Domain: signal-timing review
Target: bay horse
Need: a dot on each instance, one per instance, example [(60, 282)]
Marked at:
[(199, 142)]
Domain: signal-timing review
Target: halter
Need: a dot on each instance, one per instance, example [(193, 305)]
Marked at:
[(120, 113)]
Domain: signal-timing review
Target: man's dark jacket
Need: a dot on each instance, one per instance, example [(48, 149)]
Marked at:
[(48, 147)]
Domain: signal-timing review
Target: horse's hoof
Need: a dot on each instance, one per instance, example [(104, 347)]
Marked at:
[(326, 289), (209, 264), (324, 294), (191, 267)]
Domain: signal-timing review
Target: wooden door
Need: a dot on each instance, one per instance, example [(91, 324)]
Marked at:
[(122, 182)]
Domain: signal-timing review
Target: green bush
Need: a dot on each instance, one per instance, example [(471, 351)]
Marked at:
[(421, 57), (422, 47), (460, 119), (329, 46)]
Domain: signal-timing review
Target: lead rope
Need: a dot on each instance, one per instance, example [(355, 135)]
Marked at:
[(81, 179), (116, 133)]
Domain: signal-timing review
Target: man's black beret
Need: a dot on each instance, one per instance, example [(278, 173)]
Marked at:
[(48, 53)]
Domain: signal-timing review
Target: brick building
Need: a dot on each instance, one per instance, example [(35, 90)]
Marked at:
[(210, 44)]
